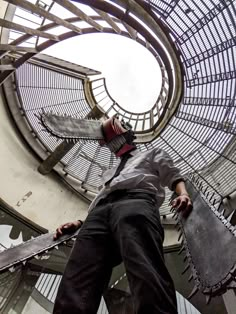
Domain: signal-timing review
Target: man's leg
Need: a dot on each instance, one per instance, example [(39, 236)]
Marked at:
[(139, 235), (89, 268)]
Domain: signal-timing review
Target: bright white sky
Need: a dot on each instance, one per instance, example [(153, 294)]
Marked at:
[(132, 74)]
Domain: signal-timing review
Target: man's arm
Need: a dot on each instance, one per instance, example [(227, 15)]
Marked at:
[(168, 173), (180, 189), (170, 176), (68, 227), (182, 202)]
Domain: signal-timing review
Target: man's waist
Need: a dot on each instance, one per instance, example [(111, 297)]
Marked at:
[(128, 193)]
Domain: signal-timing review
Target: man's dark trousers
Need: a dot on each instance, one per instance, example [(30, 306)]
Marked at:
[(125, 226)]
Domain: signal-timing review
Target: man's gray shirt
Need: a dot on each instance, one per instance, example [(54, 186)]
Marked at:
[(148, 171)]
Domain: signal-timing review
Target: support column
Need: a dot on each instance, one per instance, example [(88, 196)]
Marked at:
[(60, 151)]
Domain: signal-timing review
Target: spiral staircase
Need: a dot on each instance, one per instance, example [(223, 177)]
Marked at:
[(193, 117)]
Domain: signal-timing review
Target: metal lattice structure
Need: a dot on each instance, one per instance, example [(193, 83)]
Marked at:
[(193, 118)]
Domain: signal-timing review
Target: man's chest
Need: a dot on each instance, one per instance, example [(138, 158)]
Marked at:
[(139, 163)]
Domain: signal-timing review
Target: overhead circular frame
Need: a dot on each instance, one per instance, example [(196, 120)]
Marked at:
[(156, 40)]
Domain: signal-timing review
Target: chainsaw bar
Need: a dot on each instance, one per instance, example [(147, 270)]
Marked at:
[(71, 129), (209, 241), (29, 249)]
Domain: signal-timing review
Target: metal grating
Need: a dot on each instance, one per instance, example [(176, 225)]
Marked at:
[(56, 30), (200, 136), (140, 122)]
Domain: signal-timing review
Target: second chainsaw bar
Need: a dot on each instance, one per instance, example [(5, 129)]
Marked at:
[(209, 242), (70, 128)]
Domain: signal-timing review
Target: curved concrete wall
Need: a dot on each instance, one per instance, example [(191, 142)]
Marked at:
[(43, 199)]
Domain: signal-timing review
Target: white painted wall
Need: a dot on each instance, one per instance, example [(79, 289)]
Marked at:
[(33, 307), (43, 199), (171, 236)]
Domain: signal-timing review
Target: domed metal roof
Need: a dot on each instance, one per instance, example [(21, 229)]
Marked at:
[(194, 116)]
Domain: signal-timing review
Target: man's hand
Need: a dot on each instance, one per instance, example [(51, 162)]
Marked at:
[(68, 227), (182, 203)]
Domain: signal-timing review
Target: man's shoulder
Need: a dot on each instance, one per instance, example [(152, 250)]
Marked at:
[(155, 150), (160, 153), (137, 152), (153, 153)]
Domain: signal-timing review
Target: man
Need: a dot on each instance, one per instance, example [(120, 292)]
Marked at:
[(123, 224)]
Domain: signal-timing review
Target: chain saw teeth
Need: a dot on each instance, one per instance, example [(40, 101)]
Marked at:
[(70, 128), (199, 233)]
